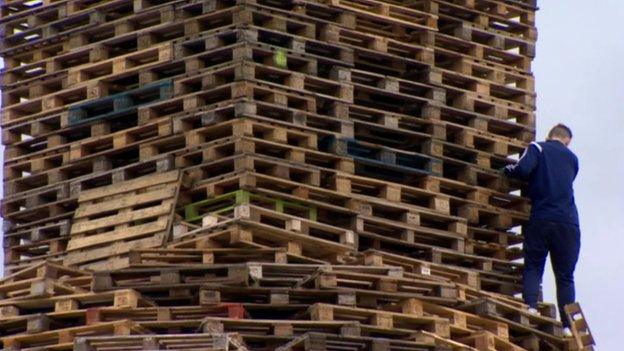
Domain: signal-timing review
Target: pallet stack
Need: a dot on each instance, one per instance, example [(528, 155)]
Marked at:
[(266, 175)]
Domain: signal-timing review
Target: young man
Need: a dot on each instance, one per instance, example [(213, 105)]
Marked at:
[(550, 169)]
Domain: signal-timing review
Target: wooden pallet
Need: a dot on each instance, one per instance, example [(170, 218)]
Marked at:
[(277, 327), (486, 341), (179, 257), (380, 319), (37, 239), (111, 220), (64, 338), (208, 342), (115, 105), (67, 303), (583, 338), (520, 321), (422, 267), (21, 169), (292, 328), (383, 158), (286, 297), (329, 342), (44, 279)]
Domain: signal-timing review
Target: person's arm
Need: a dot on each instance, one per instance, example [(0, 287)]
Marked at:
[(526, 164), (576, 166)]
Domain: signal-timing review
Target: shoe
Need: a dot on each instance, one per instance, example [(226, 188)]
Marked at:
[(567, 332), (534, 311)]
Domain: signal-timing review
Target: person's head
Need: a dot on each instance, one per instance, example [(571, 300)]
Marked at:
[(562, 133)]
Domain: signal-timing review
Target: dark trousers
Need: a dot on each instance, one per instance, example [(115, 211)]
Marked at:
[(563, 241)]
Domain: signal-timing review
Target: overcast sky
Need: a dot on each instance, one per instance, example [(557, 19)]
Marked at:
[(580, 82)]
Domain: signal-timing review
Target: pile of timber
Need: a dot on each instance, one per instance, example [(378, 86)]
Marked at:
[(266, 175)]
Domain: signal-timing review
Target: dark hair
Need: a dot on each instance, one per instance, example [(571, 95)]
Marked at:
[(560, 131)]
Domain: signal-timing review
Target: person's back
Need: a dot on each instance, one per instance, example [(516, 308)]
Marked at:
[(550, 181), (550, 169)]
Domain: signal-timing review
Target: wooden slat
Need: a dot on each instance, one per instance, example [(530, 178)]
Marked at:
[(119, 234), (117, 248), (131, 185), (144, 213), (124, 202)]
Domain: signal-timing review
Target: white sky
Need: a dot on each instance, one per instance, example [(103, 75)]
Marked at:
[(580, 82)]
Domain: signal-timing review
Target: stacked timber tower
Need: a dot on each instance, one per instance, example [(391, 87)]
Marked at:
[(297, 175)]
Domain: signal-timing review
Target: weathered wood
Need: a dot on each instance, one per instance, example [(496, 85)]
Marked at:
[(310, 175)]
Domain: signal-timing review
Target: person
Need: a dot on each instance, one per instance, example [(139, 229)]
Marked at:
[(550, 168)]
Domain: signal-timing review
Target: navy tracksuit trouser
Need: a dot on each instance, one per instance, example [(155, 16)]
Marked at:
[(563, 241)]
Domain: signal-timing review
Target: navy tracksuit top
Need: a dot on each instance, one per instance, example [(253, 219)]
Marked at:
[(550, 168)]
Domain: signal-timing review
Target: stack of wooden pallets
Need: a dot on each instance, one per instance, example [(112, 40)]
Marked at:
[(266, 175)]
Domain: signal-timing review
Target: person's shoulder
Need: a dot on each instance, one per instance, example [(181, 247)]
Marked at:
[(567, 151), (572, 154), (539, 145)]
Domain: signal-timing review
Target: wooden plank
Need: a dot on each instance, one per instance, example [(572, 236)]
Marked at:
[(119, 234), (583, 338), (127, 186), (137, 215), (117, 248), (124, 202)]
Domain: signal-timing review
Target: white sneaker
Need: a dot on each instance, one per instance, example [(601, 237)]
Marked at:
[(567, 332), (534, 311)]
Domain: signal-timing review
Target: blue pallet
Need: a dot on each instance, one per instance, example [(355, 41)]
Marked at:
[(118, 104), (381, 158)]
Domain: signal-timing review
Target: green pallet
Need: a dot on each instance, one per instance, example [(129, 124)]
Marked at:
[(226, 203)]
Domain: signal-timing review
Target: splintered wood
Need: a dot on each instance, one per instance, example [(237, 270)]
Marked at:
[(309, 175)]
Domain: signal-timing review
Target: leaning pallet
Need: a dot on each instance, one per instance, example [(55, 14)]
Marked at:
[(266, 175), (139, 213)]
